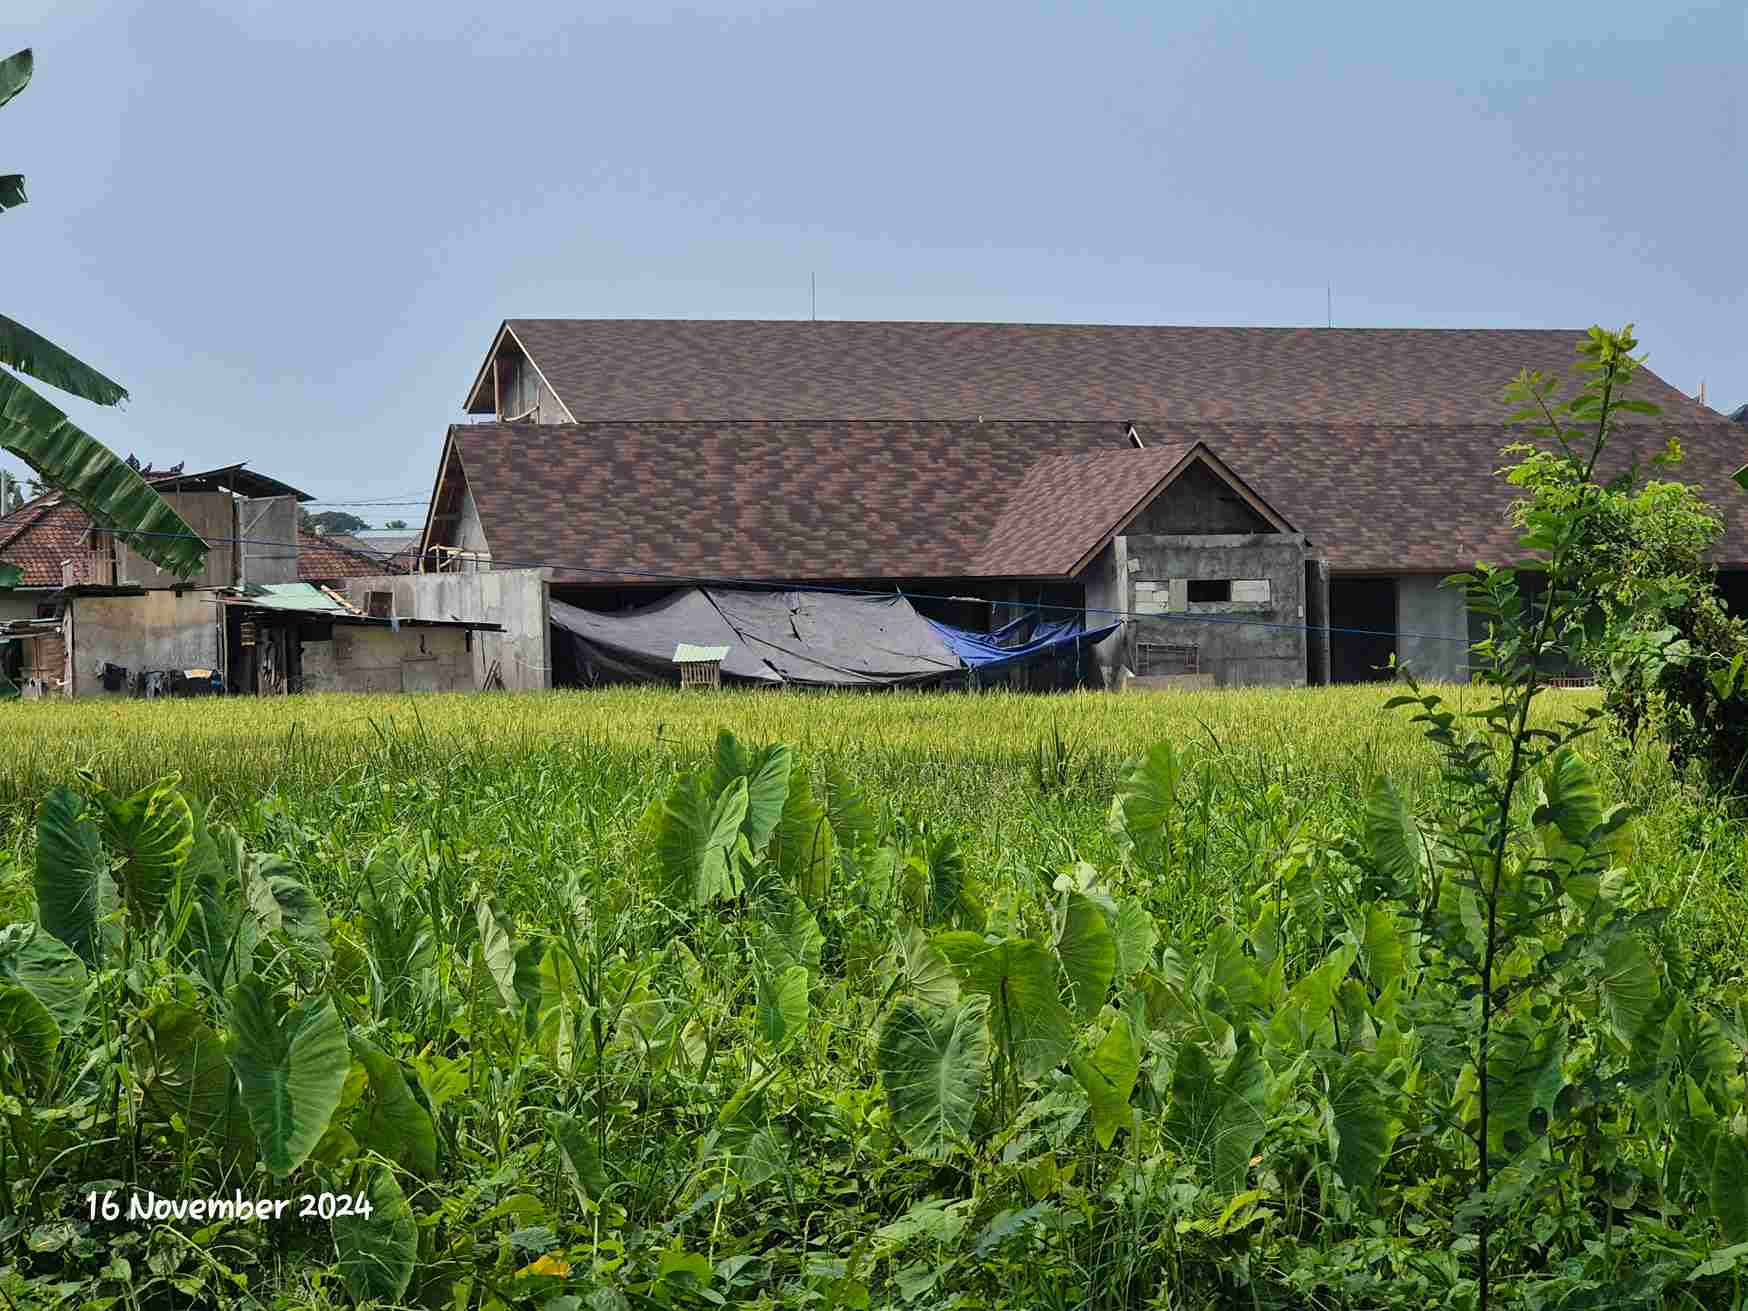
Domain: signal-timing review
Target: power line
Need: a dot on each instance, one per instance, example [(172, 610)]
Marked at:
[(634, 576)]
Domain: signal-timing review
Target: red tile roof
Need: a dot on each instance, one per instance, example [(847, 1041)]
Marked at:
[(40, 535), (319, 560), (645, 369)]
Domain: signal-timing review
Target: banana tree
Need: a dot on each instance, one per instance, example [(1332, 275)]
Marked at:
[(65, 457)]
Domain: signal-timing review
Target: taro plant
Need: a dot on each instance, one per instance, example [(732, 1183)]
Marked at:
[(202, 979)]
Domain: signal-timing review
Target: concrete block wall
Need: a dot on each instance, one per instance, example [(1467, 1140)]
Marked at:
[(370, 659), (515, 598), (157, 631), (1269, 652)]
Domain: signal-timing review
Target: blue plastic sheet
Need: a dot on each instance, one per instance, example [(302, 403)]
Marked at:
[(1014, 643)]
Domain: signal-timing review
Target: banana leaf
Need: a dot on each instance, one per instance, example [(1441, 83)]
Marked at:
[(32, 353), (14, 74), (95, 479)]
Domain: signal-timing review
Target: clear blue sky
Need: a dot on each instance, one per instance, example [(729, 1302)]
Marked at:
[(290, 228)]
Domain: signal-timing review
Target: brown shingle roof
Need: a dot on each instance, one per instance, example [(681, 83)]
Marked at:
[(1401, 500), (1065, 503), (891, 500), (755, 500), (644, 369)]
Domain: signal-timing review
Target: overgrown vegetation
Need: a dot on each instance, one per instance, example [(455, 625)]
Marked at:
[(1111, 1013), (1672, 659)]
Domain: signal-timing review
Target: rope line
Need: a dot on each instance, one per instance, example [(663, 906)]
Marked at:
[(704, 580)]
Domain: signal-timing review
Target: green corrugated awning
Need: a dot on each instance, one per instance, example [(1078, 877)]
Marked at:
[(292, 596), (685, 653)]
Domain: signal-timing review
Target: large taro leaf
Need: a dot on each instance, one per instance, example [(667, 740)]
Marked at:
[(183, 1071), (854, 826), (931, 1062), (696, 835), (395, 1125), (286, 906), (514, 967), (28, 1036), (1628, 987), (947, 895), (1382, 953), (1026, 1014), (219, 938), (1360, 1129), (1088, 952), (923, 972), (1524, 1078), (803, 845), (782, 1010), (291, 1071), (1216, 1117), (85, 471), (397, 935), (578, 1153), (35, 959), (378, 1251), (1392, 836), (1136, 937), (152, 832), (1729, 1186), (71, 872), (791, 935), (766, 772), (1108, 1074), (1147, 802)]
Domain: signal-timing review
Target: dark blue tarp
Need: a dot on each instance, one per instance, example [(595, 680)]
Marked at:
[(1015, 643)]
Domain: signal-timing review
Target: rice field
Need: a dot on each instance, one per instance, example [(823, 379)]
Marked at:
[(565, 1076), (1023, 779)]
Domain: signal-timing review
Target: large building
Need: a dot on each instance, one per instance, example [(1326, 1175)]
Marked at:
[(1273, 505)]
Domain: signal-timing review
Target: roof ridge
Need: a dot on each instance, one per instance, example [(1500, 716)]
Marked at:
[(1574, 332)]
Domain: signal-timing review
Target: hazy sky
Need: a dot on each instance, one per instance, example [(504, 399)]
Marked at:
[(291, 228)]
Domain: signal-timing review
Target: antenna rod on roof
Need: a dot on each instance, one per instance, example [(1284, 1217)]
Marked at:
[(813, 297), (1329, 304)]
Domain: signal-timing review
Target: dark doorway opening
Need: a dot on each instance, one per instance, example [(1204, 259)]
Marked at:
[(1733, 587), (1362, 617)]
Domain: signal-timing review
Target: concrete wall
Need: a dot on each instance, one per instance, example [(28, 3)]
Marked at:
[(515, 598), (157, 631), (1106, 590), (1318, 670), (1423, 607), (361, 659), (18, 605), (1237, 653)]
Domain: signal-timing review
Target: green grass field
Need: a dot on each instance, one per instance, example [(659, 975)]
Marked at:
[(696, 1112)]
